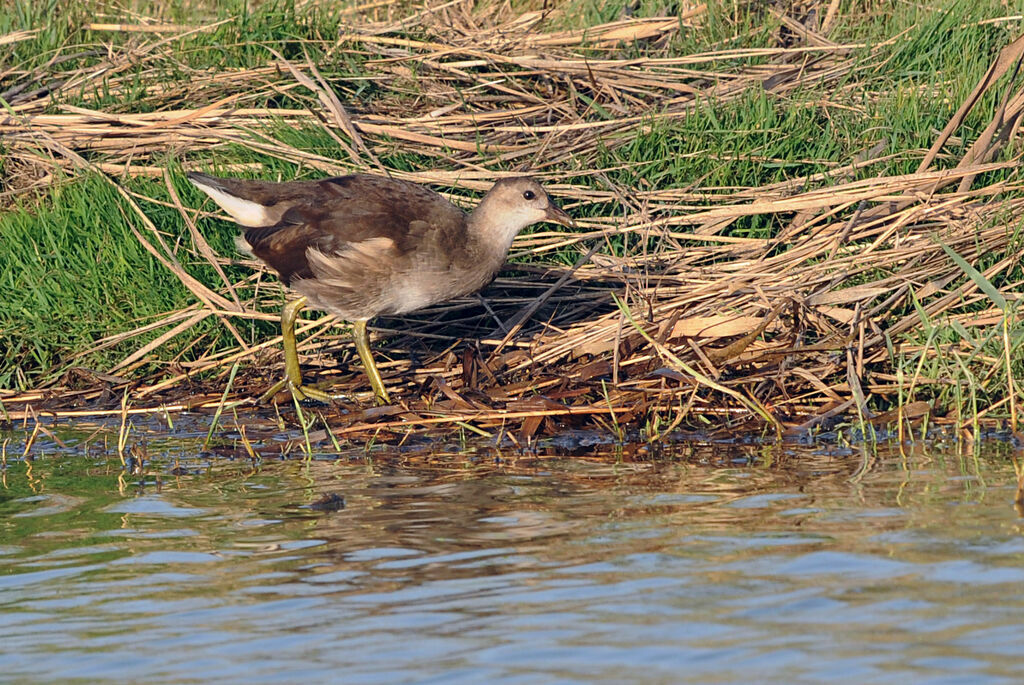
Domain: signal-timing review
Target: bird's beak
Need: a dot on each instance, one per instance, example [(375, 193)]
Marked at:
[(555, 214)]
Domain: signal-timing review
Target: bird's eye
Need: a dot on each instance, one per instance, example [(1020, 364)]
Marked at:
[(528, 195)]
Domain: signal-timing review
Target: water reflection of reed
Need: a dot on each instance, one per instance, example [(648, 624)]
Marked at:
[(449, 516), (446, 503)]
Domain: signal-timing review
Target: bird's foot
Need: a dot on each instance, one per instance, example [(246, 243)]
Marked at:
[(302, 393)]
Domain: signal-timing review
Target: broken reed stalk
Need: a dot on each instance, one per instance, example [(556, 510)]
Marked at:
[(701, 379), (749, 327)]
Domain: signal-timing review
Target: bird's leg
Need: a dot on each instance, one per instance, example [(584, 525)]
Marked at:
[(292, 373), (363, 348)]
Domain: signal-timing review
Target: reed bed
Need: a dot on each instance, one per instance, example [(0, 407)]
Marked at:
[(881, 288)]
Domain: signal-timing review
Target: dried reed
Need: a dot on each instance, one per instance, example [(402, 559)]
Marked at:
[(794, 329)]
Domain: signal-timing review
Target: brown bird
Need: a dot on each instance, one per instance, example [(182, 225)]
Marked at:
[(361, 246)]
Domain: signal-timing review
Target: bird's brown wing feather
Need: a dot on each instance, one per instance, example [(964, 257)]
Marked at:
[(332, 214)]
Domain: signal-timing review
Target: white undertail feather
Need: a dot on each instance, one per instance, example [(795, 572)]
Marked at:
[(245, 212)]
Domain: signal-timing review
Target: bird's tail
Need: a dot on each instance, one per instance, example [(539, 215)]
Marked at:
[(224, 192)]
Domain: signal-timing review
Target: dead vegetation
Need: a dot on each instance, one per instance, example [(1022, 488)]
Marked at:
[(694, 324)]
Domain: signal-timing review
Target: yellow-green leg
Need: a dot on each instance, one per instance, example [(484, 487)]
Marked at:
[(363, 348), (292, 373)]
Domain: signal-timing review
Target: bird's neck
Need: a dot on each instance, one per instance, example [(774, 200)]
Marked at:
[(493, 227)]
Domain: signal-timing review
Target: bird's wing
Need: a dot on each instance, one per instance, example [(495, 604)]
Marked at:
[(333, 215)]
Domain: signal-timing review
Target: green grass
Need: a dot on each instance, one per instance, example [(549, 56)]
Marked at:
[(971, 368), (72, 274)]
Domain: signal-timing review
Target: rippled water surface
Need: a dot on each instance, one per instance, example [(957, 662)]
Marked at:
[(712, 563)]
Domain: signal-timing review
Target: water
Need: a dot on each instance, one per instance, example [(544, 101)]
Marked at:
[(711, 564)]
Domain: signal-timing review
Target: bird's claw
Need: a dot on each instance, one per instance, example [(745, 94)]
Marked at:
[(305, 395)]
